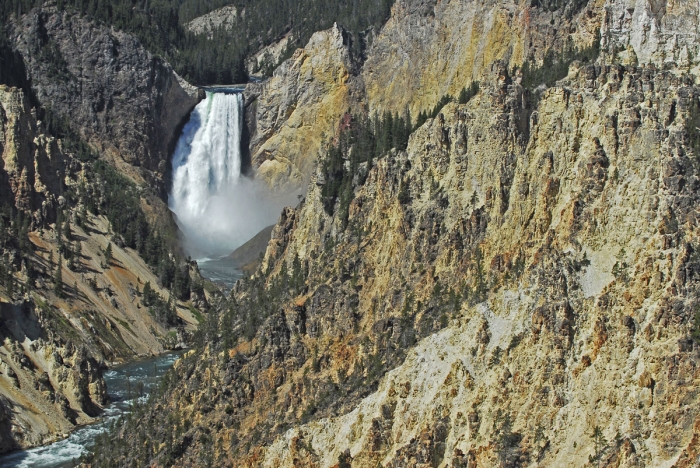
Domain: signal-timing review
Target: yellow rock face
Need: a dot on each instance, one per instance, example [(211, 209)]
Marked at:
[(299, 109), (53, 348), (580, 335)]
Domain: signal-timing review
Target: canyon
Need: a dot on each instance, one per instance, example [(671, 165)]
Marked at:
[(59, 335), (516, 288), (516, 284)]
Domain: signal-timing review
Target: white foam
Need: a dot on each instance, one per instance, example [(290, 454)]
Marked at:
[(217, 208)]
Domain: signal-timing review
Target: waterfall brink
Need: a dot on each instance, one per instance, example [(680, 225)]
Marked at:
[(217, 208)]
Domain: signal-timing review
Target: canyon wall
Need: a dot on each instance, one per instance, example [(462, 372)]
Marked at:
[(573, 250), (59, 334), (296, 111), (519, 287), (431, 49), (127, 103)]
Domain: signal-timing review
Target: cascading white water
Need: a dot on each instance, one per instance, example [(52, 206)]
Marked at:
[(217, 208)]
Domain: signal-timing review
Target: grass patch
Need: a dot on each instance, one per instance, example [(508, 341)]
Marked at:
[(125, 325), (196, 314)]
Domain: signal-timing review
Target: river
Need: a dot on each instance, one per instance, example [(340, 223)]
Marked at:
[(122, 383), (222, 271)]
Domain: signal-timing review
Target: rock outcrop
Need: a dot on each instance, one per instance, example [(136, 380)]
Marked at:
[(127, 103), (518, 288), (538, 260), (55, 341), (295, 112), (430, 49), (571, 247), (47, 385), (223, 18)]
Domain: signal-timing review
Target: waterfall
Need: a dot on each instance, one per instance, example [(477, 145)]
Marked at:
[(216, 207)]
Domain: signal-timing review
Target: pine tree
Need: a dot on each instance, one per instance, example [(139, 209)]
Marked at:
[(147, 294), (108, 254), (67, 234), (58, 279), (600, 442)]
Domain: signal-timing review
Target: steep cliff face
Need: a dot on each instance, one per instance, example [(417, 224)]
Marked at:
[(223, 18), (429, 49), (459, 40), (57, 335), (425, 51), (528, 272), (662, 33), (294, 112), (125, 102), (572, 249), (47, 385)]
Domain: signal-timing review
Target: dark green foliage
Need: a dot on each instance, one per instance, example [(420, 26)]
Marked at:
[(571, 7), (423, 116), (600, 445), (361, 139), (51, 56), (162, 311), (121, 204), (465, 96), (59, 126), (108, 254), (148, 296), (345, 460), (555, 66), (67, 233), (58, 280), (440, 104), (159, 25), (468, 92), (695, 332)]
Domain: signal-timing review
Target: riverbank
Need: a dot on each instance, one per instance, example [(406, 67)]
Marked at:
[(125, 384)]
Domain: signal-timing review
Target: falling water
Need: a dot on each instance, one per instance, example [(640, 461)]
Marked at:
[(217, 208)]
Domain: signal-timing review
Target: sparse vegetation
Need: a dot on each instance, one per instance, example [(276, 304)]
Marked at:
[(555, 66), (600, 443), (219, 57), (361, 139), (695, 330)]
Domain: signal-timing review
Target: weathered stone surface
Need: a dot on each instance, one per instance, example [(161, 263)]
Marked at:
[(53, 349), (222, 18), (540, 268), (124, 101), (296, 109), (592, 330)]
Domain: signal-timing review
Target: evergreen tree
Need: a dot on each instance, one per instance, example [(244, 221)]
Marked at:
[(58, 279), (108, 254), (67, 234)]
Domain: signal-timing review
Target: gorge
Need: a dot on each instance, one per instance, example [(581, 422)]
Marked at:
[(216, 206), (493, 261)]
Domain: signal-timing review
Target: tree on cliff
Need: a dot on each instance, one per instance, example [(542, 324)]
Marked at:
[(108, 254), (58, 279)]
